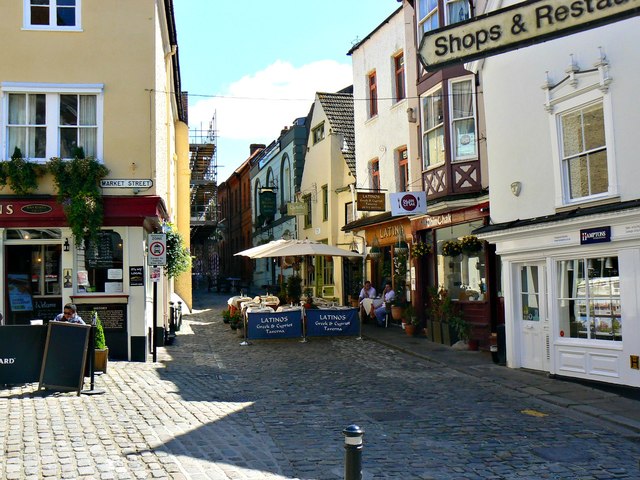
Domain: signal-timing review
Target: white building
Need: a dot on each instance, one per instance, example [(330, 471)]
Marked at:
[(565, 202)]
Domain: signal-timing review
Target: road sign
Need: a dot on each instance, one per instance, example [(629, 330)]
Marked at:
[(157, 249)]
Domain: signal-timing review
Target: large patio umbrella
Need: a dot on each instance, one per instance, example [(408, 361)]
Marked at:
[(294, 248), (250, 252)]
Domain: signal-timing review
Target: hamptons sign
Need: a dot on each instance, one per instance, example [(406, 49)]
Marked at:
[(523, 24)]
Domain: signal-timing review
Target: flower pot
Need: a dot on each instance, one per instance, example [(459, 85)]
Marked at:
[(396, 312), (410, 329), (473, 344), (100, 358)]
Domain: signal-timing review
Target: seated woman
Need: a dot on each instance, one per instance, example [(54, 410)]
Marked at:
[(388, 295)]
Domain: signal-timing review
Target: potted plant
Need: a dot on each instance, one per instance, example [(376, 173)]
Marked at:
[(226, 315), (420, 249), (412, 321), (470, 244), (294, 289), (446, 322), (451, 248), (101, 353)]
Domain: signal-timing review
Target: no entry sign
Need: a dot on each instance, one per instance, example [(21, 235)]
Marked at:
[(157, 249)]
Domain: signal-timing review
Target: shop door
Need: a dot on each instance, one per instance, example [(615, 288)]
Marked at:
[(33, 283), (532, 319)]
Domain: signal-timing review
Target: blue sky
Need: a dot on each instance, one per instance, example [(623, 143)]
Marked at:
[(255, 65)]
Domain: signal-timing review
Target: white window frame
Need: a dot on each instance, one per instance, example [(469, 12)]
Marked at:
[(26, 18), (422, 19), (424, 131), (452, 120), (562, 104), (447, 20), (52, 92)]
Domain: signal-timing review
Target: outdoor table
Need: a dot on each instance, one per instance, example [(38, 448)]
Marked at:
[(235, 302), (370, 304)]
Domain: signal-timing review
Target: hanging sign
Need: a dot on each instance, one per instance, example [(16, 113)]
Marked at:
[(370, 201), (296, 208), (408, 203), (267, 204), (157, 249), (523, 24)]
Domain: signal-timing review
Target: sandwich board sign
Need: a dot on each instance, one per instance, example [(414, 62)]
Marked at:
[(157, 255)]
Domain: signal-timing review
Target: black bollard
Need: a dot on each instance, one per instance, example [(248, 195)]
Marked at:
[(353, 452)]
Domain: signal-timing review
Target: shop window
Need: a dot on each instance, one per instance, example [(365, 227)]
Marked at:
[(99, 264), (589, 299), (463, 275)]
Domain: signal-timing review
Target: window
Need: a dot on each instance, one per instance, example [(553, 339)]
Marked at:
[(456, 11), (325, 203), (52, 124), (403, 169), (285, 180), (463, 121), (373, 95), (307, 216), (100, 264), (584, 152), (348, 213), (375, 175), (318, 133), (398, 64), (589, 299), (427, 16), (432, 128), (52, 14)]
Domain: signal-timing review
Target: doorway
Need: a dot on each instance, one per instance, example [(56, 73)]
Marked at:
[(532, 320), (33, 283)]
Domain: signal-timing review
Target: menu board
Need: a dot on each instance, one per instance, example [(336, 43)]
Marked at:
[(46, 309), (100, 252)]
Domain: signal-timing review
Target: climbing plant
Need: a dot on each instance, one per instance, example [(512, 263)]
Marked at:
[(20, 174), (178, 256), (78, 184)]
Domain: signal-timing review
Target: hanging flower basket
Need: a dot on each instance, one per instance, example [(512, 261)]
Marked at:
[(401, 248), (375, 253), (451, 248), (420, 249), (471, 244)]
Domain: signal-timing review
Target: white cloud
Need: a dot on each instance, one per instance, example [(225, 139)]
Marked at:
[(256, 107)]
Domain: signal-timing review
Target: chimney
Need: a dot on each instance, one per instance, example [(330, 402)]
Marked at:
[(254, 147)]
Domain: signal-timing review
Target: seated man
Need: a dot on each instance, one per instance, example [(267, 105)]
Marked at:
[(367, 292), (388, 295)]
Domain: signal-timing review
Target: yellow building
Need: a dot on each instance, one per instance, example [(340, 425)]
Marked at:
[(105, 78)]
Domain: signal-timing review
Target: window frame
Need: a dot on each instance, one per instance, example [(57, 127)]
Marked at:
[(426, 164), (447, 20), (308, 217), (422, 17), (53, 124), (561, 106), (325, 202), (402, 155), (452, 120), (317, 133), (399, 76), (374, 168), (52, 25), (372, 84)]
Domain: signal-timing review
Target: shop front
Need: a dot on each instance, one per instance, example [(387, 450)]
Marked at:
[(571, 294), (462, 265), (42, 268)]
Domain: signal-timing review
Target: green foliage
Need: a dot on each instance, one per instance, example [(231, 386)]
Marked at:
[(100, 342), (178, 256), (400, 280), (78, 183), (294, 289), (226, 315), (20, 174), (442, 309)]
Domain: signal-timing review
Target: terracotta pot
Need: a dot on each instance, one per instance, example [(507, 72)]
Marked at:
[(410, 329), (396, 312)]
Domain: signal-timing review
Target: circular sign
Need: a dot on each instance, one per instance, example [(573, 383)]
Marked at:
[(156, 249), (409, 202)]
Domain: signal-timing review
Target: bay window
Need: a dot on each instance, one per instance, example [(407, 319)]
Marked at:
[(433, 128), (463, 119)]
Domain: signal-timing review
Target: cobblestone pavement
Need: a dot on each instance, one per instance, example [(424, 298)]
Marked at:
[(212, 409)]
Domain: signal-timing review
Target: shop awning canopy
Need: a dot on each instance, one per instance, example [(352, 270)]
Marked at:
[(294, 248)]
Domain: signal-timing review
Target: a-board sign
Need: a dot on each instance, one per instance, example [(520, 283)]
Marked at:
[(332, 322), (65, 354), (21, 348), (265, 325)]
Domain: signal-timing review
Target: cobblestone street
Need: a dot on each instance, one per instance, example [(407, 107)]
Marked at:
[(212, 409)]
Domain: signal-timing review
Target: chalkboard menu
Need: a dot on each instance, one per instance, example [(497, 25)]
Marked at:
[(112, 315), (65, 354), (21, 348), (46, 309), (99, 253)]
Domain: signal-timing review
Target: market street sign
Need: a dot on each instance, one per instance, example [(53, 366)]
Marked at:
[(126, 183), (523, 24)]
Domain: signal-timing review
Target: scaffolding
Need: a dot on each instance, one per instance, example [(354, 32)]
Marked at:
[(203, 164)]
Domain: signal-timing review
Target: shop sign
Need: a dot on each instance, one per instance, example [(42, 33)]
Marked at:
[(408, 203), (267, 204), (437, 220), (296, 208), (520, 25), (36, 208), (370, 202), (595, 235), (126, 183)]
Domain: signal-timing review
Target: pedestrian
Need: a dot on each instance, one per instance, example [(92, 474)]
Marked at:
[(368, 291), (388, 296), (69, 314)]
